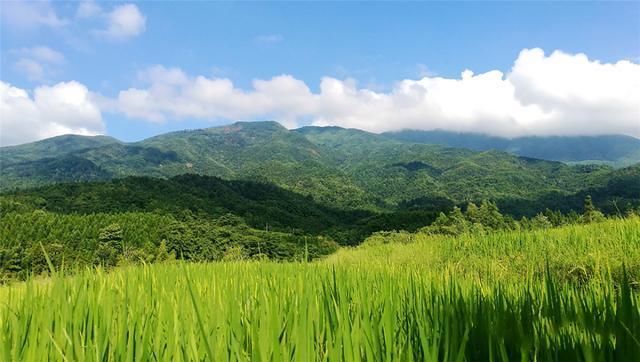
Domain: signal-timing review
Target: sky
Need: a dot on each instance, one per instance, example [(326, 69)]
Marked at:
[(134, 70)]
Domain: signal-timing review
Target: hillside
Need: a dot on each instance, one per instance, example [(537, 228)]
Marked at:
[(261, 204), (53, 147), (344, 168), (499, 296), (403, 173), (520, 253), (615, 150)]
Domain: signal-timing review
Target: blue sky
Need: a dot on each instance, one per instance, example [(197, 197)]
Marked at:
[(377, 45)]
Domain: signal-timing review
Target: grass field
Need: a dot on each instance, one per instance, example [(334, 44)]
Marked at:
[(559, 295), (574, 253)]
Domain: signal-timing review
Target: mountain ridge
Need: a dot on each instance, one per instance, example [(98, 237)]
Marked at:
[(615, 150), (348, 168)]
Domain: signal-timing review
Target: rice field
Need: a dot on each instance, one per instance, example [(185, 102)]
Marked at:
[(369, 304)]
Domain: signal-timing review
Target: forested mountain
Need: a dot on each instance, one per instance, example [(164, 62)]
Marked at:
[(616, 150), (258, 190), (53, 147), (261, 205), (344, 168)]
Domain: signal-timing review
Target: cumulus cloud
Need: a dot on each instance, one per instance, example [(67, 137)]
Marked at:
[(51, 110), (172, 94), (30, 14), (579, 94), (556, 94), (120, 23), (542, 94), (123, 22)]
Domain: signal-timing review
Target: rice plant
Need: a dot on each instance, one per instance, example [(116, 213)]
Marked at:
[(337, 309)]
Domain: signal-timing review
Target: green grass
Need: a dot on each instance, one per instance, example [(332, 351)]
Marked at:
[(433, 298), (575, 253)]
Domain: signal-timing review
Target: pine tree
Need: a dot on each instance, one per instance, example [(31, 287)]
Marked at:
[(110, 245), (591, 213), (540, 221)]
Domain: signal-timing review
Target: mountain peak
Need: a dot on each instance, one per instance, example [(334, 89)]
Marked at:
[(252, 125)]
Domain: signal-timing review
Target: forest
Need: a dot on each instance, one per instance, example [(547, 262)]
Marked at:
[(200, 218), (313, 244)]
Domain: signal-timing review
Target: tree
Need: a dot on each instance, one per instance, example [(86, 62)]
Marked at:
[(234, 253), (163, 253), (10, 263), (489, 216), (110, 245), (540, 221), (452, 224), (35, 256), (473, 213), (591, 213), (555, 217)]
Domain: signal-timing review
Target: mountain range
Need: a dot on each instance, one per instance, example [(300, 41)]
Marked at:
[(345, 168), (614, 150)]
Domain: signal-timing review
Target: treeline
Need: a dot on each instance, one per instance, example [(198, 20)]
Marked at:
[(73, 241), (201, 218), (487, 217), (261, 205), (618, 196)]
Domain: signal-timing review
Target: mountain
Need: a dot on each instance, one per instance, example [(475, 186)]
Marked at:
[(258, 203), (343, 168), (615, 150), (195, 197), (53, 147), (399, 172), (52, 160)]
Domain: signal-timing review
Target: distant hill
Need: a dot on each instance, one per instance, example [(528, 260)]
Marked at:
[(190, 197), (53, 147), (344, 168), (258, 203), (615, 150)]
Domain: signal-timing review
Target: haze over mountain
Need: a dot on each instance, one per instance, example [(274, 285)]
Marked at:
[(347, 168), (615, 150)]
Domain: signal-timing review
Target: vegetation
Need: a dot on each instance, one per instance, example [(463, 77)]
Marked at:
[(487, 296), (616, 150), (77, 241), (343, 168), (253, 242), (201, 196), (200, 199), (571, 253), (200, 218)]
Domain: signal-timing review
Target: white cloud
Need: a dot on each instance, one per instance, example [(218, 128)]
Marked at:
[(88, 9), (41, 53), (37, 63), (33, 70), (560, 94), (52, 110), (30, 14), (123, 22), (581, 94), (172, 94)]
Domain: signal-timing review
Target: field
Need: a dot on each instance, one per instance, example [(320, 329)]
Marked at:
[(549, 295)]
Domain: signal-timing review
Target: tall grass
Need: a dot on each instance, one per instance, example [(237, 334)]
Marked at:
[(330, 311), (574, 253)]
